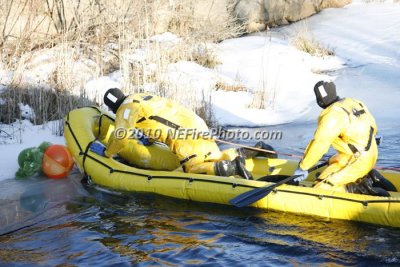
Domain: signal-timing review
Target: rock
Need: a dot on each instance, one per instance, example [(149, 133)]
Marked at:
[(197, 14), (254, 14), (258, 13)]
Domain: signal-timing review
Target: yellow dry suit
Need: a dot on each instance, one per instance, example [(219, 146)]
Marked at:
[(155, 157), (350, 128), (170, 123)]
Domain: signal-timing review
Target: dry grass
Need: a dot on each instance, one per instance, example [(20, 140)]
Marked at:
[(27, 25), (204, 55), (204, 110), (311, 46), (105, 32), (230, 87), (304, 41), (48, 105)]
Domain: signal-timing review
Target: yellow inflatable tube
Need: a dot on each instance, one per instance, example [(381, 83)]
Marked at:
[(82, 127)]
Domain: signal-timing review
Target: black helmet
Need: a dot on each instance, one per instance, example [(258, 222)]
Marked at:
[(325, 92), (113, 98)]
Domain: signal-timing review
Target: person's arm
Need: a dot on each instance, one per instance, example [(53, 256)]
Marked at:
[(329, 128), (125, 121)]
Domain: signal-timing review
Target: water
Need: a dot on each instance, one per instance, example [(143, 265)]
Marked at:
[(94, 228), (53, 222)]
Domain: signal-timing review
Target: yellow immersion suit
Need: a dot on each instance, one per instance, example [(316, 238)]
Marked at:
[(349, 127), (154, 157), (166, 121)]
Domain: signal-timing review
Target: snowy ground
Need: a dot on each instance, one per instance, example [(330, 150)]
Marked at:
[(366, 41)]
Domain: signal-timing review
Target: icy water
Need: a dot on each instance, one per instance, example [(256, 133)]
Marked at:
[(48, 223)]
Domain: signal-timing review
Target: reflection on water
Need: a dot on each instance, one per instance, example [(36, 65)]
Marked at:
[(54, 222), (99, 229), (22, 202)]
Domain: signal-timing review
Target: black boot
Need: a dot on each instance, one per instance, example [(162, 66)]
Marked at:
[(380, 181), (365, 186), (251, 153), (355, 188), (241, 169), (234, 167), (224, 168)]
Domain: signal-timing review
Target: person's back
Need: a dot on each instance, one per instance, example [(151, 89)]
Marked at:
[(159, 118), (358, 128)]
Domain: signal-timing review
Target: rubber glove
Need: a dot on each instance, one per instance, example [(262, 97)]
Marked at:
[(303, 174), (98, 148)]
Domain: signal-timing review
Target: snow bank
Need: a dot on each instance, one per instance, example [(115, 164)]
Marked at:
[(96, 87), (268, 64), (44, 68), (366, 36)]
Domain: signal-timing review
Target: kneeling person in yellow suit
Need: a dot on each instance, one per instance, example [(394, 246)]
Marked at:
[(157, 118), (349, 127)]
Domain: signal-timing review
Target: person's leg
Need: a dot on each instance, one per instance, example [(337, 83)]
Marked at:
[(330, 170), (229, 154), (204, 156), (336, 178), (219, 168), (193, 155)]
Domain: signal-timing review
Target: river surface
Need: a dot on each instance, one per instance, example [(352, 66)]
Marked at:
[(60, 222)]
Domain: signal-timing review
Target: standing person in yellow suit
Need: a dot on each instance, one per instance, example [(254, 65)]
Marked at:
[(349, 127), (157, 118)]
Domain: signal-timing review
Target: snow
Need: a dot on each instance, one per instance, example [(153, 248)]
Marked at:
[(26, 112), (136, 56), (365, 39), (230, 108), (271, 65), (167, 39), (366, 66), (189, 75), (96, 88), (370, 45), (371, 39), (5, 75), (43, 68)]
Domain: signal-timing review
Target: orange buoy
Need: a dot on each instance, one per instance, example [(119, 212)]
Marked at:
[(57, 161)]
